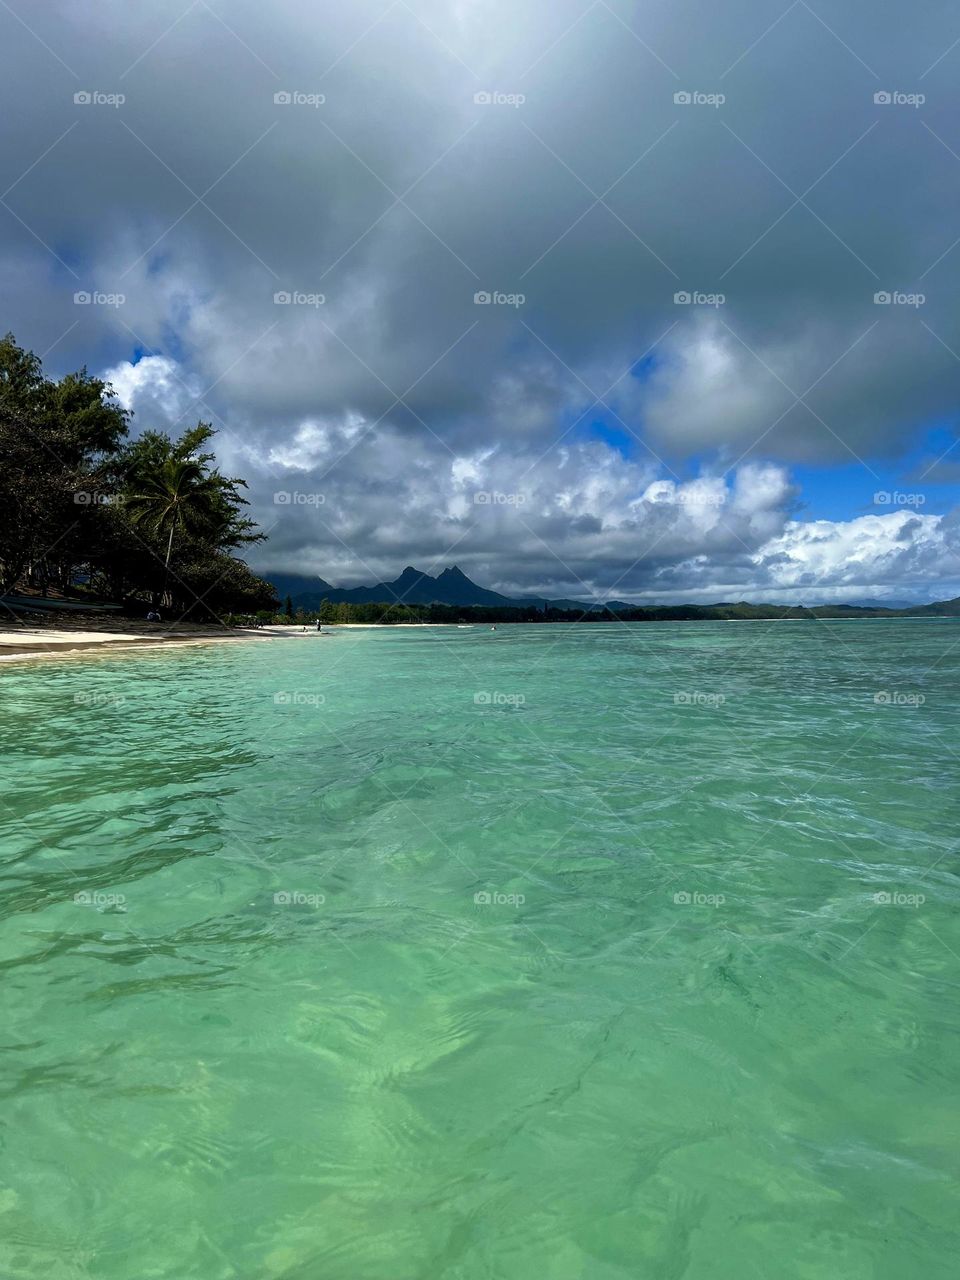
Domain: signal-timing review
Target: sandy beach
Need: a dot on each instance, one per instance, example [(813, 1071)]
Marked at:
[(20, 642)]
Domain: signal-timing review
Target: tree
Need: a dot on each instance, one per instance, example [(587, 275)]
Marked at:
[(213, 583), (134, 519), (172, 492), (175, 496), (56, 439)]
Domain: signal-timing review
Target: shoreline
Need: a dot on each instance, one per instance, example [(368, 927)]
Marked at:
[(35, 644), (25, 644)]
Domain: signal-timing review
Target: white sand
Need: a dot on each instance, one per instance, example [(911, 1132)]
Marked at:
[(19, 642)]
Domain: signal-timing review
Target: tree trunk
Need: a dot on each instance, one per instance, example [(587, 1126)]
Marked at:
[(166, 563)]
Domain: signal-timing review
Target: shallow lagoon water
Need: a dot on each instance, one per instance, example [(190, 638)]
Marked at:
[(581, 953)]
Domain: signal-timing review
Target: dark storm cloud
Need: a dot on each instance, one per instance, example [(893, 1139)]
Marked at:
[(598, 198)]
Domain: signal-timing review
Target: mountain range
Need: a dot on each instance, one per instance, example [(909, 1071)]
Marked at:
[(453, 587)]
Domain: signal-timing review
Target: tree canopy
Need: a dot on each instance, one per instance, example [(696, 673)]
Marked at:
[(84, 507)]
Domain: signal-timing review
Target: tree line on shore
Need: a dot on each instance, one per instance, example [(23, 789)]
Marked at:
[(391, 613), (85, 510)]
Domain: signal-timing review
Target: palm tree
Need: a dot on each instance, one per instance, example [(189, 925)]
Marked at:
[(176, 494)]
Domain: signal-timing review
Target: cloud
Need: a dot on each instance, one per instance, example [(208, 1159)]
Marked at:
[(900, 548), (597, 198), (154, 388)]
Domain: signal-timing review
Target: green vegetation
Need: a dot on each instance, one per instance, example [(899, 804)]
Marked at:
[(390, 614), (84, 510)]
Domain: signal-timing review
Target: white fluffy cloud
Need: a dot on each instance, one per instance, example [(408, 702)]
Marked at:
[(154, 388), (349, 499), (903, 549), (400, 197)]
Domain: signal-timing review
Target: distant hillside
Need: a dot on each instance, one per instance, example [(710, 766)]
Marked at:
[(882, 604), (413, 586), (939, 609), (297, 584), (453, 588)]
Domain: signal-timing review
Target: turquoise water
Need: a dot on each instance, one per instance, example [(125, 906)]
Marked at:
[(258, 1024)]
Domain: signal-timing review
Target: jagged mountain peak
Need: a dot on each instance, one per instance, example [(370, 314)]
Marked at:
[(413, 586)]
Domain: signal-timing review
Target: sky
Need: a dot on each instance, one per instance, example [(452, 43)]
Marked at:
[(642, 301)]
